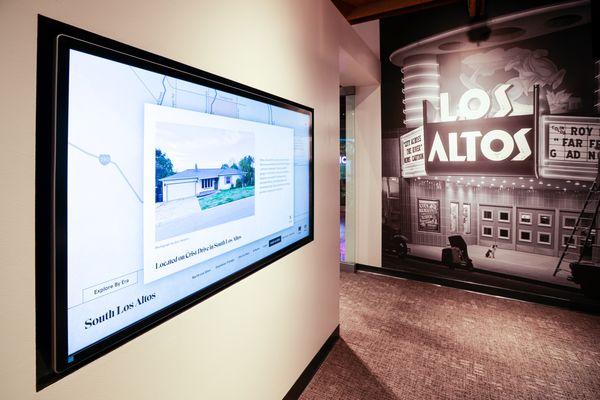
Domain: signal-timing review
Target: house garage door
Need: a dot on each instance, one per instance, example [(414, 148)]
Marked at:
[(181, 190)]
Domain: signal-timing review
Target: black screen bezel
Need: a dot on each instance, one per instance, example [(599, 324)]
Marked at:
[(109, 49)]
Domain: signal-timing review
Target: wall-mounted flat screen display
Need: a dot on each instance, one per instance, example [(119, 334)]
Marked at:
[(170, 184)]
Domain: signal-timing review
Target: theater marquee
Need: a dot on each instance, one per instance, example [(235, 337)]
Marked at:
[(413, 154), (569, 147), (492, 146), (479, 138)]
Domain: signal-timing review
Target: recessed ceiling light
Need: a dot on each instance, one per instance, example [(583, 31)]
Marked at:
[(492, 184), (576, 183), (483, 177), (513, 183), (493, 179), (521, 177), (541, 183), (472, 180), (557, 187), (531, 187), (583, 185), (531, 180), (478, 185), (549, 184), (522, 185), (563, 20), (568, 181)]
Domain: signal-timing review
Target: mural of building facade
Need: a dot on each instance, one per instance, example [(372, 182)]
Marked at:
[(491, 146)]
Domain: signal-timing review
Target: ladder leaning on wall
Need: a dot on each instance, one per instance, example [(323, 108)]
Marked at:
[(581, 247)]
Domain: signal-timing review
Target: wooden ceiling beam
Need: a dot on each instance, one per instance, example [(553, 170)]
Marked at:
[(384, 8), (344, 7)]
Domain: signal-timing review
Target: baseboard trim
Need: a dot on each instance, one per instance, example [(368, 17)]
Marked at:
[(347, 267), (312, 367), (483, 288)]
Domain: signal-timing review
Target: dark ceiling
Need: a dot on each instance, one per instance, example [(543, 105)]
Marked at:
[(357, 11)]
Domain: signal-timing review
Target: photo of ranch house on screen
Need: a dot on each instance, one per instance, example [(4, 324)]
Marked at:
[(494, 166), (204, 177), (199, 182)]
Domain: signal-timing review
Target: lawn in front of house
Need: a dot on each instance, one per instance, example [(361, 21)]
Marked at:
[(225, 196)]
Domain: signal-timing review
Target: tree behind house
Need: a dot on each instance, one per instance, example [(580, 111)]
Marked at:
[(247, 168), (164, 166)]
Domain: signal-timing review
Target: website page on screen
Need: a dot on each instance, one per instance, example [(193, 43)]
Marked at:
[(172, 186)]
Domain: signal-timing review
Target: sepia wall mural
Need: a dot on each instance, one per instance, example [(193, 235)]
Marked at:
[(491, 146)]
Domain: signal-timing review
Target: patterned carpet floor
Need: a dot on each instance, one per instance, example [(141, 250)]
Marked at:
[(403, 339)]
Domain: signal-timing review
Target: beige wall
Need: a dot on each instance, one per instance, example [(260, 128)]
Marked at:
[(369, 33), (368, 156), (252, 340), (368, 175)]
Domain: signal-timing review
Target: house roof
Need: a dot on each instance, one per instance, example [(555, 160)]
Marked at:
[(202, 173)]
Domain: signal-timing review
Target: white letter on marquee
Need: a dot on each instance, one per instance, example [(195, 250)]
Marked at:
[(453, 147), (445, 108), (524, 150), (508, 145), (482, 108), (438, 148), (503, 100), (471, 138)]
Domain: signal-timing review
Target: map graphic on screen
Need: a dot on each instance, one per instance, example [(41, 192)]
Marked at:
[(172, 186)]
